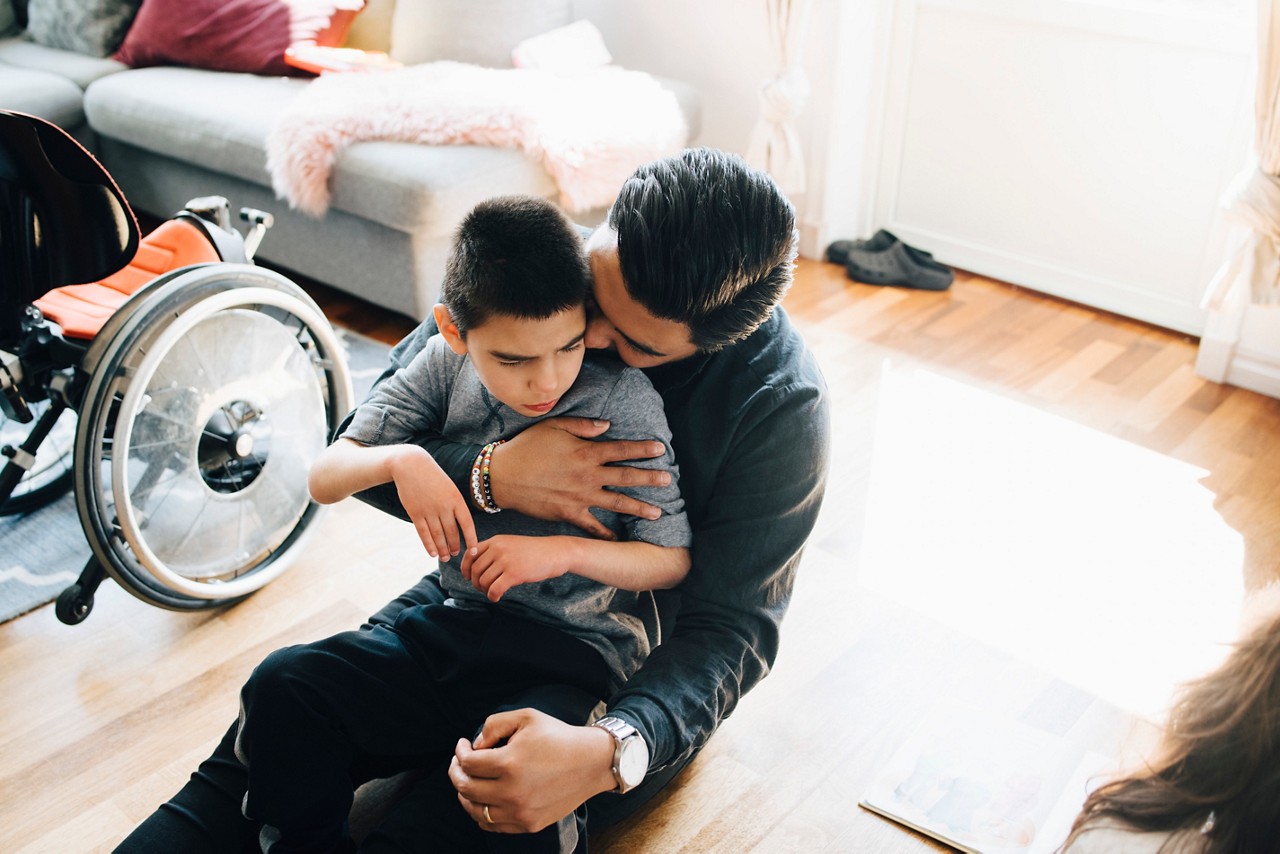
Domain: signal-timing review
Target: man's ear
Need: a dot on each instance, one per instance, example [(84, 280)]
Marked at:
[(450, 330)]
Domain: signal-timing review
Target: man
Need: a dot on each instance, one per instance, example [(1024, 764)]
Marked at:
[(688, 272)]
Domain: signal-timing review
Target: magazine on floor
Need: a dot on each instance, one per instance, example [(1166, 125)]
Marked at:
[(987, 785)]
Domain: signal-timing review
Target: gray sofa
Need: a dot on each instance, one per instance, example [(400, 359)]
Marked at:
[(169, 134)]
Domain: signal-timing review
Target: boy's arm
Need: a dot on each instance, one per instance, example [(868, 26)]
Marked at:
[(347, 467), (631, 565), (502, 562), (431, 501)]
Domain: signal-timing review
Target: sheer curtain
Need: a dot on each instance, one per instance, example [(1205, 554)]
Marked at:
[(775, 143), (1254, 269)]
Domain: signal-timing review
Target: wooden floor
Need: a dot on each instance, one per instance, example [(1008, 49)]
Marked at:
[(1030, 502)]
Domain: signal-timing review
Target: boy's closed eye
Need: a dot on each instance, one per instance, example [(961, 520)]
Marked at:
[(514, 362)]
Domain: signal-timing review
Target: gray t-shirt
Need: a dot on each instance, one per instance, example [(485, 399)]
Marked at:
[(440, 394)]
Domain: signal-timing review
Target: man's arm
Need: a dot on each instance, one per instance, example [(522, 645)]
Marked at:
[(746, 551), (585, 474), (745, 556)]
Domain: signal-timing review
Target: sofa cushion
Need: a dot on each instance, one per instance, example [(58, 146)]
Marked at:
[(216, 119), (42, 94), (233, 35), (76, 67), (482, 32), (91, 27), (220, 121)]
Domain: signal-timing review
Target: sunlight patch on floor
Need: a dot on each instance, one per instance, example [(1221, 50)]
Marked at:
[(1097, 560)]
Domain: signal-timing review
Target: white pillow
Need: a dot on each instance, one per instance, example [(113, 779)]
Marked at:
[(482, 32), (577, 47)]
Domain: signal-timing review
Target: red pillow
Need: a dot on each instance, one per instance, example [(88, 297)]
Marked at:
[(233, 35)]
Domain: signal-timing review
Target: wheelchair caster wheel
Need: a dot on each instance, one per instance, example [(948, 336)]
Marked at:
[(73, 605)]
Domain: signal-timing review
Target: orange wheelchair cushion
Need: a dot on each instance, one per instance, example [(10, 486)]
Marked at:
[(81, 310)]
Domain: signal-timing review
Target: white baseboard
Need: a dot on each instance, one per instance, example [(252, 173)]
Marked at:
[(1236, 347), (813, 239), (1214, 357), (1255, 372), (1222, 361)]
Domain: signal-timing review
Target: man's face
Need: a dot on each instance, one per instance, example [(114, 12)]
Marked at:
[(617, 322)]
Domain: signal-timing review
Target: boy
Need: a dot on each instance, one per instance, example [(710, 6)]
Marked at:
[(574, 617)]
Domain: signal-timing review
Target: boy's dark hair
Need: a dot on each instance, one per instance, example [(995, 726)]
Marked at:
[(707, 241), (518, 256)]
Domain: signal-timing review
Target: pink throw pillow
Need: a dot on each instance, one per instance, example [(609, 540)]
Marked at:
[(233, 35)]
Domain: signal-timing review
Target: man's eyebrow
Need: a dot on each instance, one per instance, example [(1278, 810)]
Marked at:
[(636, 345), (516, 357)]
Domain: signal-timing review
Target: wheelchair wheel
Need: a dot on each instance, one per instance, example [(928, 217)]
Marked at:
[(216, 388), (51, 476)]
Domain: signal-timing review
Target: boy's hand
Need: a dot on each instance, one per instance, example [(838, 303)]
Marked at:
[(500, 563), (433, 504)]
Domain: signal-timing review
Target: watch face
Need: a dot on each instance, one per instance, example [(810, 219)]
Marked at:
[(634, 762)]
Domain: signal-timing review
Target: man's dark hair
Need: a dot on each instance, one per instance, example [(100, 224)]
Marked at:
[(707, 241), (518, 256)]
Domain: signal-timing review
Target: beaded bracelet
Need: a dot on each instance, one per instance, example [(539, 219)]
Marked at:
[(481, 492)]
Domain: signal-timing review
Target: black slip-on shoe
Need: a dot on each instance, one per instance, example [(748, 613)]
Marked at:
[(900, 265), (838, 251)]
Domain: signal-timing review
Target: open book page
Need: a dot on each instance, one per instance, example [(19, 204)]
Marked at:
[(987, 785)]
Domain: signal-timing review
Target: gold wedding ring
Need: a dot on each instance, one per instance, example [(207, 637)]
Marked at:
[(487, 817)]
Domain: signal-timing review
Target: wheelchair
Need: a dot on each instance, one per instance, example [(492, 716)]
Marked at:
[(180, 391)]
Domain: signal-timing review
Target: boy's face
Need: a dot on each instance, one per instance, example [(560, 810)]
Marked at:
[(526, 364), (620, 323)]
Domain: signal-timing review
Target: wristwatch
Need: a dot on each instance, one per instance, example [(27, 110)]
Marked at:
[(630, 753)]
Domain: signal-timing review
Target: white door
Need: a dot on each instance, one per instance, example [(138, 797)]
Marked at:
[(1076, 147)]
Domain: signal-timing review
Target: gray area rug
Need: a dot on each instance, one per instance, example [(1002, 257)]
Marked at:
[(44, 551)]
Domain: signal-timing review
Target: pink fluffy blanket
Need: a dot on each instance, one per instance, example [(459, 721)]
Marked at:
[(589, 130)]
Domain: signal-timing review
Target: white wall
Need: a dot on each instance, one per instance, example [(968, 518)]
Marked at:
[(719, 46), (722, 48)]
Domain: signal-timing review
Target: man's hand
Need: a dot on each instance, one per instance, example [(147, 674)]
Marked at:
[(502, 562), (530, 770), (434, 505), (552, 471)]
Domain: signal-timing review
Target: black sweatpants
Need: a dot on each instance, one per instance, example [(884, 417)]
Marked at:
[(392, 699), (204, 816)]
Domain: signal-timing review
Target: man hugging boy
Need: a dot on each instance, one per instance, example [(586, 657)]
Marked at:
[(538, 615)]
